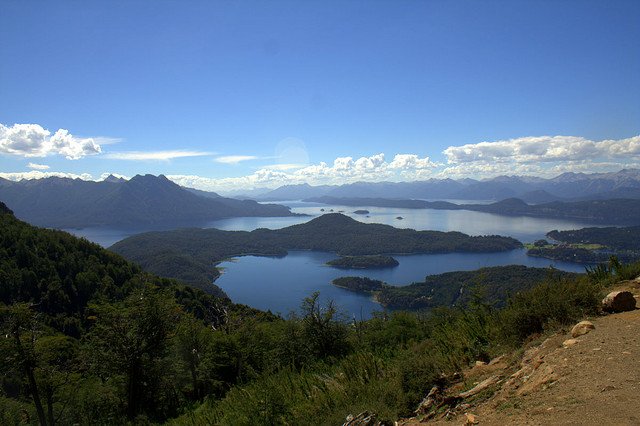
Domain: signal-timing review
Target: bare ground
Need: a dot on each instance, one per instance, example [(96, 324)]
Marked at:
[(594, 381)]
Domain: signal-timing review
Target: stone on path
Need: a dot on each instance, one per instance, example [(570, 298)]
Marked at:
[(583, 327), (619, 301)]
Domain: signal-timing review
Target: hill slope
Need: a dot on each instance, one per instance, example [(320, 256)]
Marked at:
[(145, 201)]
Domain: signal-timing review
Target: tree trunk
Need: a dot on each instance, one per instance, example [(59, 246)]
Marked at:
[(50, 417), (28, 370)]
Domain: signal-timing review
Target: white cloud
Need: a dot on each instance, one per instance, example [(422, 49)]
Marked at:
[(543, 149), (32, 140), (36, 174), (37, 166), (234, 159), (154, 155), (343, 170)]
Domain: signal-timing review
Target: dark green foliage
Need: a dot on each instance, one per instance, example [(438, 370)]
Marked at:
[(363, 262), (552, 303), (456, 288), (612, 237)]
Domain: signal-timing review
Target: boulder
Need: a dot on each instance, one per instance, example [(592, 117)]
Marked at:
[(583, 327), (569, 342), (619, 301)]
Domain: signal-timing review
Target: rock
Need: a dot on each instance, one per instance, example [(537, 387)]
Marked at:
[(480, 387), (364, 419), (583, 327), (569, 342), (470, 419), (429, 401), (480, 363), (619, 301)]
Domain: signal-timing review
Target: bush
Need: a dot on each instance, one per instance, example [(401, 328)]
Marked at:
[(550, 303)]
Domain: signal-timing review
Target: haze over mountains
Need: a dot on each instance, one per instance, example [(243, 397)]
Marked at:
[(567, 186), (143, 201)]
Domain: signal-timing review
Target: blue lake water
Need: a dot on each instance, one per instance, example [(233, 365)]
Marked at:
[(525, 229), (280, 284)]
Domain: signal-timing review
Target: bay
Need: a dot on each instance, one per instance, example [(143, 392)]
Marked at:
[(280, 284)]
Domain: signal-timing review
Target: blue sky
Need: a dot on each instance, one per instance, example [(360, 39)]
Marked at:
[(226, 94)]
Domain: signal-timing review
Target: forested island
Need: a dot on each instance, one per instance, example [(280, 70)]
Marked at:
[(591, 245), (609, 211), (493, 285), (191, 254), (364, 262), (359, 284)]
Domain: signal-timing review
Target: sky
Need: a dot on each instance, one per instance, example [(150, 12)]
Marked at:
[(234, 95)]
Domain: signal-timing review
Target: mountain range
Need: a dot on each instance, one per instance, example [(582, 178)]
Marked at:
[(143, 201), (533, 190)]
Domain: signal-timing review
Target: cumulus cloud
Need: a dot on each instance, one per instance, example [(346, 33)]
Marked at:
[(36, 174), (234, 159), (343, 170), (543, 149), (32, 140), (35, 166), (154, 155)]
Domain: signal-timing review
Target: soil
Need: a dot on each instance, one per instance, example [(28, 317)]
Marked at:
[(593, 379)]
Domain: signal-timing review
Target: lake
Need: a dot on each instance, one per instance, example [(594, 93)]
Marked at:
[(525, 229), (280, 284)]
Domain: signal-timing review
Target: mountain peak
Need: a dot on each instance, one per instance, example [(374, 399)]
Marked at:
[(113, 179)]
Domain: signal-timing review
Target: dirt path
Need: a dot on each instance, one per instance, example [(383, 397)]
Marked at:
[(595, 381)]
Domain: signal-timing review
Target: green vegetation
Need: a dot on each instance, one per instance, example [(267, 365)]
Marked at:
[(91, 339), (364, 262), (591, 245), (457, 288), (614, 238), (190, 254)]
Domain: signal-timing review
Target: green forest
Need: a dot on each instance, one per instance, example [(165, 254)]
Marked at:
[(90, 338)]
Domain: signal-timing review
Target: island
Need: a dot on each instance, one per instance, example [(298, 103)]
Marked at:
[(359, 284), (590, 245), (191, 254), (361, 212), (364, 262)]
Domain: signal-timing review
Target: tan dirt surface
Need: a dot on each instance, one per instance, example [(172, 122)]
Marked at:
[(592, 381)]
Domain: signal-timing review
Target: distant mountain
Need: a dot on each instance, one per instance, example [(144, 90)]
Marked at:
[(143, 201), (294, 192), (567, 186)]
